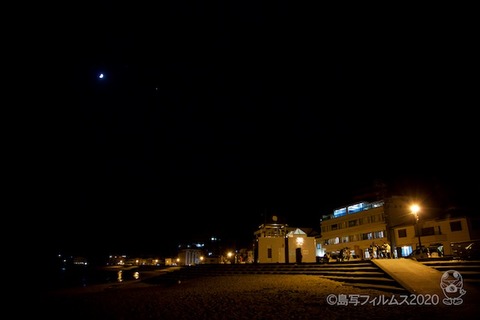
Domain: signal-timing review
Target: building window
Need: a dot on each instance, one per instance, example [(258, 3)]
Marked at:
[(456, 226), (379, 234), (428, 231), (269, 253), (402, 233), (352, 223), (334, 227)]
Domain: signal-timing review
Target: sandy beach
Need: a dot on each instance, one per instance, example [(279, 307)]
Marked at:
[(243, 297)]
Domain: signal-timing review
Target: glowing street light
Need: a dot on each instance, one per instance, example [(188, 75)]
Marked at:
[(415, 208)]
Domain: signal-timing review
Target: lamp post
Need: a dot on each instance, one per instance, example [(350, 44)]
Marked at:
[(415, 208)]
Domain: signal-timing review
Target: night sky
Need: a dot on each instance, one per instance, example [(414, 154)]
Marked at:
[(209, 117)]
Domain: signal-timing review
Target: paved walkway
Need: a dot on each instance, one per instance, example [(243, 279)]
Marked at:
[(420, 279)]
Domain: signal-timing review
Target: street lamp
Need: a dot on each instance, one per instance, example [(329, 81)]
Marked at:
[(415, 208)]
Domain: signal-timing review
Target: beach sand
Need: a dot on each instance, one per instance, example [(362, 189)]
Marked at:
[(241, 297)]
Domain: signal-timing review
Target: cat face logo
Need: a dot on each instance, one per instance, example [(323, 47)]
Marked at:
[(452, 287)]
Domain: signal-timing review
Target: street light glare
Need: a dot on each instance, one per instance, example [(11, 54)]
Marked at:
[(415, 208)]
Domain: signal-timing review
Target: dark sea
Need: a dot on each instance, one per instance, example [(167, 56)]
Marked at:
[(82, 276)]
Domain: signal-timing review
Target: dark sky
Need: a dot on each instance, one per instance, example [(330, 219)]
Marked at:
[(211, 115)]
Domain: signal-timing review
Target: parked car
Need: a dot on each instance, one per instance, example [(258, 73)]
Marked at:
[(420, 253), (466, 250)]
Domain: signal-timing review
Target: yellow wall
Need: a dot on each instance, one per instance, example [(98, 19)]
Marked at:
[(443, 234), (277, 244), (308, 249)]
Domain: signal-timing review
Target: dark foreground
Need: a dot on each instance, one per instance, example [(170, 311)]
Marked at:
[(244, 297)]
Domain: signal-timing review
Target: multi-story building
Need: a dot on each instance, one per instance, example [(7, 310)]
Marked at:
[(435, 234), (354, 227), (190, 256), (360, 226)]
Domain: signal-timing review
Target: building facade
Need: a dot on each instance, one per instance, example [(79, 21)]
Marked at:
[(361, 226), (279, 243), (435, 234), (354, 228)]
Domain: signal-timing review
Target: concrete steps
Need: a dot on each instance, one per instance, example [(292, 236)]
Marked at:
[(360, 273), (469, 269)]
